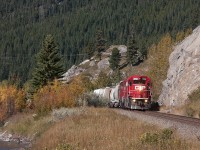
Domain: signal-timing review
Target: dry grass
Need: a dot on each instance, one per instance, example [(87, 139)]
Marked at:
[(192, 109), (26, 125), (103, 129)]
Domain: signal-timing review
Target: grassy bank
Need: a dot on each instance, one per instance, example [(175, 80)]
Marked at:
[(25, 125), (103, 129), (94, 129)]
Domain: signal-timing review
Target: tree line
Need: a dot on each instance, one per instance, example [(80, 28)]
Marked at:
[(74, 25)]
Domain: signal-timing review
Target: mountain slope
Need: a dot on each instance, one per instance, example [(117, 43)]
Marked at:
[(93, 67), (74, 23)]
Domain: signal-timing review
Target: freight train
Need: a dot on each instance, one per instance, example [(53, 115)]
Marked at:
[(133, 93)]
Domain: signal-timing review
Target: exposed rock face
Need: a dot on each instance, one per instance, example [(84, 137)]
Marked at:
[(93, 66), (73, 71), (183, 76), (122, 48), (103, 64)]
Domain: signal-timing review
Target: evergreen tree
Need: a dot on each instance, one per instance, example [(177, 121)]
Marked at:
[(114, 59), (133, 54), (116, 76), (89, 50), (100, 43), (49, 64), (103, 80), (195, 17), (74, 24)]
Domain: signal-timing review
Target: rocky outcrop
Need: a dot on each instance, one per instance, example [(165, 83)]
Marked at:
[(183, 76), (12, 140), (122, 49), (103, 64), (73, 71), (93, 66)]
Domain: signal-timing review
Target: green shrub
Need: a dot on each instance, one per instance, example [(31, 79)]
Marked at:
[(190, 112), (64, 147), (149, 138), (195, 95), (155, 138), (194, 103), (96, 101), (166, 134)]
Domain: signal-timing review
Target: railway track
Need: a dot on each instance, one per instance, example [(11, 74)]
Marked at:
[(172, 117), (186, 127)]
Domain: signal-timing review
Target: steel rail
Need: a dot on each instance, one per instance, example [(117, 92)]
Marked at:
[(177, 118)]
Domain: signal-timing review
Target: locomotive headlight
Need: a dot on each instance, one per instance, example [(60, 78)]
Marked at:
[(146, 101), (134, 100)]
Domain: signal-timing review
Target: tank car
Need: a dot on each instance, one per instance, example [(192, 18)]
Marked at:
[(103, 93), (114, 97)]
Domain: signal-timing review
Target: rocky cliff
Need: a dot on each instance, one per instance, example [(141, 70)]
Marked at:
[(92, 66), (183, 76)]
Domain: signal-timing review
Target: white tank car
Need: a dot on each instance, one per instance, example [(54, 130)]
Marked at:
[(103, 93), (114, 97)]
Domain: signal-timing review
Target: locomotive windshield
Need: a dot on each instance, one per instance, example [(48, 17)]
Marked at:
[(139, 80)]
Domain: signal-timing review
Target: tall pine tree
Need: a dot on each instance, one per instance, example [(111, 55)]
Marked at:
[(103, 80), (100, 43), (134, 56), (114, 59), (89, 50), (49, 64)]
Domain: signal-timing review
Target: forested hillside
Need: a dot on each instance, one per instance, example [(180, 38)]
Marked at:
[(73, 23)]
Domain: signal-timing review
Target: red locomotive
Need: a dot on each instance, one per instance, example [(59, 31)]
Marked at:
[(132, 93), (135, 92)]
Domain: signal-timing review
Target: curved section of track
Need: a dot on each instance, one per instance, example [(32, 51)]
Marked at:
[(177, 118), (186, 127)]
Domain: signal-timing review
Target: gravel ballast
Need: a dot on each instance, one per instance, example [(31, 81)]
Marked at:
[(186, 131)]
